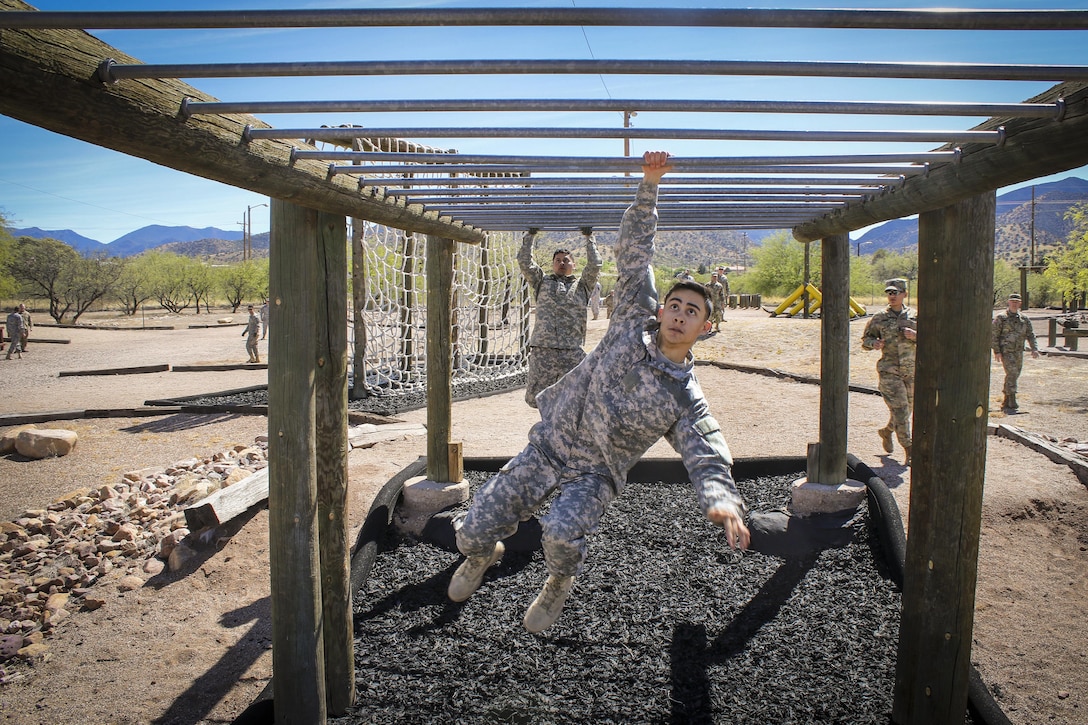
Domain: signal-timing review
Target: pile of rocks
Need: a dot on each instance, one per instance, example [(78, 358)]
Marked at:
[(52, 559)]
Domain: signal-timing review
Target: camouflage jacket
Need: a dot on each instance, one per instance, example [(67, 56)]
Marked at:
[(1010, 330), (897, 355), (15, 324), (607, 412), (560, 301)]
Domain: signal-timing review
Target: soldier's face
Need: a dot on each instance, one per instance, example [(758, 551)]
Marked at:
[(1014, 305), (683, 317), (563, 265)]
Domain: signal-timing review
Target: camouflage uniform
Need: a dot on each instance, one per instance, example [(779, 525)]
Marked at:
[(15, 325), (253, 333), (717, 296), (560, 331), (1010, 331), (895, 367), (600, 418)]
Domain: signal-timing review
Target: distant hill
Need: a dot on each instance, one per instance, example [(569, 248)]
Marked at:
[(83, 245), (1013, 224), (217, 250), (135, 242)]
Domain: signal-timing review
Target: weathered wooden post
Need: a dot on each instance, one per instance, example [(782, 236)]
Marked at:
[(331, 438), (298, 659), (439, 356), (834, 360), (951, 396)]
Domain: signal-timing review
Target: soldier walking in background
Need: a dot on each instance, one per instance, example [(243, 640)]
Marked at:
[(264, 320), (15, 324), (1010, 330), (28, 324), (253, 330), (555, 346), (893, 331), (717, 294)]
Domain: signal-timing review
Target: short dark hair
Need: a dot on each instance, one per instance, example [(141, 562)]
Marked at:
[(557, 252), (697, 289)]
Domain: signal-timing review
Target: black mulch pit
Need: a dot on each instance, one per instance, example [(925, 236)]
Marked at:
[(380, 401), (665, 625)]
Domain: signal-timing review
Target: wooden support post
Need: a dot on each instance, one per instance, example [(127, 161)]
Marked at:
[(298, 659), (806, 303), (439, 356), (834, 359), (952, 388), (331, 425)]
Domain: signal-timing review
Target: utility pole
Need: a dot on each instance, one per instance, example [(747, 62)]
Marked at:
[(247, 234)]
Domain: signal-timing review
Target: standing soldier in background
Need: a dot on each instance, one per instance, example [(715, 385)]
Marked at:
[(595, 301), (264, 320), (15, 326), (555, 346), (717, 294), (253, 330), (1010, 330), (894, 331), (28, 324)]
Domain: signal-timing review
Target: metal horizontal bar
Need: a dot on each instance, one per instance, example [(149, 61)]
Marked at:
[(920, 19), (442, 162), (875, 170), (620, 194), (111, 72), (844, 183), (887, 108), (584, 207), (342, 134)]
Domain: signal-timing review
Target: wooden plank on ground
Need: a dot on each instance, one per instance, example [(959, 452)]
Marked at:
[(1039, 444), (226, 503), (368, 434), (224, 366), (117, 371)]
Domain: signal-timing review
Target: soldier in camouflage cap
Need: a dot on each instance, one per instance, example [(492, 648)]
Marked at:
[(636, 386), (561, 300), (1010, 330), (893, 331)]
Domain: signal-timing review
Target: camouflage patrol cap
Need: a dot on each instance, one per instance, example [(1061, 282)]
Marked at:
[(1015, 297), (895, 285)]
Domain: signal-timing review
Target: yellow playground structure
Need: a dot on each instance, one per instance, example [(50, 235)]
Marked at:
[(796, 303)]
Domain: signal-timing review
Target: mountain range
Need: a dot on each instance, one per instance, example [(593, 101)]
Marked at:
[(1019, 220)]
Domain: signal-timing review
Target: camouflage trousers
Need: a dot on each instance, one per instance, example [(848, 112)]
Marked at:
[(516, 492), (547, 365), (898, 392), (1013, 362)]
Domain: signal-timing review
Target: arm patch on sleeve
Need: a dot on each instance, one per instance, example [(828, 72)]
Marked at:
[(711, 432)]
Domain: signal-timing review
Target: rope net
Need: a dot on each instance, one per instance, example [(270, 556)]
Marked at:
[(490, 317)]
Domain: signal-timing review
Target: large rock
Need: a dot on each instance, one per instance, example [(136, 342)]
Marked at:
[(45, 442), (7, 440)]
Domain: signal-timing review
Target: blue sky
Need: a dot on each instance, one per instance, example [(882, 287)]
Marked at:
[(55, 182)]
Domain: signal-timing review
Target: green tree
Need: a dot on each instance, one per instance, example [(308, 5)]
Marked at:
[(89, 280), (134, 286), (1067, 270), (895, 265), (8, 285), (240, 282), (200, 280), (778, 266), (39, 266), (168, 282), (1006, 280)]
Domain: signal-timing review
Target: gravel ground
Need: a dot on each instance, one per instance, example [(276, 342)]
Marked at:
[(666, 624)]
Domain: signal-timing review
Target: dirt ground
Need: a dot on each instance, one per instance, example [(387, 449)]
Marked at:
[(194, 646)]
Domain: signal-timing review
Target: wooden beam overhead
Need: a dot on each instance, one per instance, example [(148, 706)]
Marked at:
[(50, 81)]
